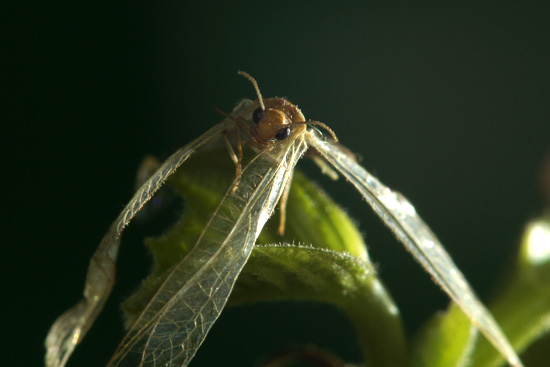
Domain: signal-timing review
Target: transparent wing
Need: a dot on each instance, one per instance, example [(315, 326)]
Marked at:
[(176, 320), (401, 218), (69, 329)]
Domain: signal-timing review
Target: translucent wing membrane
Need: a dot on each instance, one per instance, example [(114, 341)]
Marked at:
[(178, 317), (70, 328), (401, 218), (176, 320)]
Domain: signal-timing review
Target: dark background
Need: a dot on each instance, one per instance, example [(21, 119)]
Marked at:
[(447, 103)]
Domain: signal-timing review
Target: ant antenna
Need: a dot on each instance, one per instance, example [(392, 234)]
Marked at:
[(318, 123), (260, 99), (253, 81)]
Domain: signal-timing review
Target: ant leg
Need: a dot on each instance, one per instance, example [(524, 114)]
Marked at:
[(239, 158), (230, 150), (282, 205)]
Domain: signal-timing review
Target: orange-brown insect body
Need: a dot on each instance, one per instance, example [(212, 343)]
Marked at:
[(278, 114)]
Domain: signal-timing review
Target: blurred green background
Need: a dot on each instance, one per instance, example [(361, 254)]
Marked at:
[(447, 103)]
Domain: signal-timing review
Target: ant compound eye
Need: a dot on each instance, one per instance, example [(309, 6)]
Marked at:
[(257, 115), (283, 133)]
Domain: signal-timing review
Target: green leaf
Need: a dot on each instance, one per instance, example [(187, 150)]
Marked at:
[(287, 272), (523, 308), (322, 258), (330, 264), (446, 340)]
